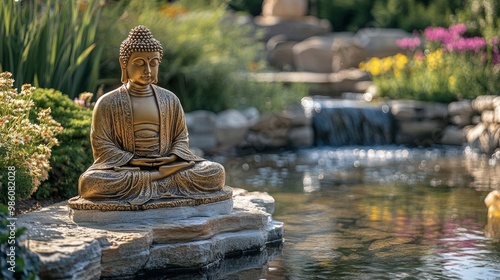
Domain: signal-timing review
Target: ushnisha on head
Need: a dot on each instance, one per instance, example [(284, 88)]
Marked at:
[(140, 39)]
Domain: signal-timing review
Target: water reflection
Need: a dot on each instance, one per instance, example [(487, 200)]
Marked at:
[(381, 212)]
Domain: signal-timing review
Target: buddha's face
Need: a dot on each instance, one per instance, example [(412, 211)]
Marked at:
[(142, 68)]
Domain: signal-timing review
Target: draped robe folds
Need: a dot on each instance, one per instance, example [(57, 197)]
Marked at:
[(113, 146)]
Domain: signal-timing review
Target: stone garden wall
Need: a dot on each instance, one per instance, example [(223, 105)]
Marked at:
[(468, 122)]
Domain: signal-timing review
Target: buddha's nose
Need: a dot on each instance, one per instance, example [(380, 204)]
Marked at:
[(147, 69)]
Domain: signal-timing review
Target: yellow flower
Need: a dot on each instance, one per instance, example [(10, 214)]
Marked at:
[(452, 81), (373, 66), (400, 61), (434, 59), (386, 64)]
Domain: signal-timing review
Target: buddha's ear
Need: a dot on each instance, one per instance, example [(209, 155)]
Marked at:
[(123, 66)]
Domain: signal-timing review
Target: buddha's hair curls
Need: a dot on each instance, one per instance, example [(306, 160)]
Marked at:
[(140, 39)]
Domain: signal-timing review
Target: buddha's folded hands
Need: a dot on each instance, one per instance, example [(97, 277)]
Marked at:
[(159, 161), (169, 169)]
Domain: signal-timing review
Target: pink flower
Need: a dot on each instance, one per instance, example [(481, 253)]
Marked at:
[(458, 29), (494, 41), (466, 44), (408, 43), (439, 34), (419, 55)]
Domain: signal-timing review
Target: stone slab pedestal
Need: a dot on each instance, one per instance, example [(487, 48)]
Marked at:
[(151, 242)]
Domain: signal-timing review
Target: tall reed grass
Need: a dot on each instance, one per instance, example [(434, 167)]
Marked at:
[(51, 43)]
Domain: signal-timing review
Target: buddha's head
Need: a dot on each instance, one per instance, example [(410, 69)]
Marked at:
[(140, 56)]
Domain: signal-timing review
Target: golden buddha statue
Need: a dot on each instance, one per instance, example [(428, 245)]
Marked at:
[(140, 139)]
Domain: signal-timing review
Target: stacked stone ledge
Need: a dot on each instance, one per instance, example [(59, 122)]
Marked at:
[(79, 246), (249, 130), (475, 123), (467, 122), (419, 123), (485, 133)]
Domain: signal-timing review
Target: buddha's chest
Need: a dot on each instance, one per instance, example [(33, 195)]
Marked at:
[(145, 109)]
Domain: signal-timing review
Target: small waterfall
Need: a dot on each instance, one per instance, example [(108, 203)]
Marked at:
[(349, 122)]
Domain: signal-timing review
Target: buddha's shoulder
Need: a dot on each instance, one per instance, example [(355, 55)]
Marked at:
[(111, 94), (165, 92), (109, 97)]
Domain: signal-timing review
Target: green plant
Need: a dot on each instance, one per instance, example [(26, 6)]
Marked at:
[(482, 16), (74, 154), (348, 15), (25, 143), (51, 43), (205, 52), (17, 261), (253, 7)]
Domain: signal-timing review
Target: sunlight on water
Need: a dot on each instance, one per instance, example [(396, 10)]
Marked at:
[(385, 212)]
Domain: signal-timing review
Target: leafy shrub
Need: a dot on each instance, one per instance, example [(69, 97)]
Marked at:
[(348, 15), (26, 263), (450, 66), (204, 53), (253, 7), (51, 44), (25, 143), (74, 154), (23, 184)]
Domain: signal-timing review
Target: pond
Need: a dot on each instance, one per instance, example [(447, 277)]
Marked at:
[(381, 212)]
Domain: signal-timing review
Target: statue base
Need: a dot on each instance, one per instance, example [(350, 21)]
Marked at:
[(80, 203), (126, 248), (157, 214)]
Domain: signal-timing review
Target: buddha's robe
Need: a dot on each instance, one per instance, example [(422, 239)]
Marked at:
[(113, 146)]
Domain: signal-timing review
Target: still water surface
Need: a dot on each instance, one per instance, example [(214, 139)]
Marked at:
[(385, 212)]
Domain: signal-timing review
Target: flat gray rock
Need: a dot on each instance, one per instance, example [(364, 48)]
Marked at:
[(148, 240)]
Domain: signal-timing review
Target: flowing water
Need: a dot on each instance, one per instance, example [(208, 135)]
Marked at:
[(349, 122), (380, 212)]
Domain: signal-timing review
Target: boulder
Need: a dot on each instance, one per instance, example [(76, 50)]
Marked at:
[(294, 30), (280, 53), (201, 126), (272, 121), (404, 112), (301, 136), (347, 53), (420, 133), (314, 54), (381, 42), (297, 115), (453, 135), (252, 114), (459, 108), (327, 54), (488, 116), (263, 140), (421, 128), (485, 137), (435, 111), (231, 128), (414, 110), (496, 113), (461, 120), (461, 112), (285, 8), (485, 102)]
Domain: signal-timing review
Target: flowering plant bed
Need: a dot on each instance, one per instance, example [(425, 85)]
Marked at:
[(440, 65)]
